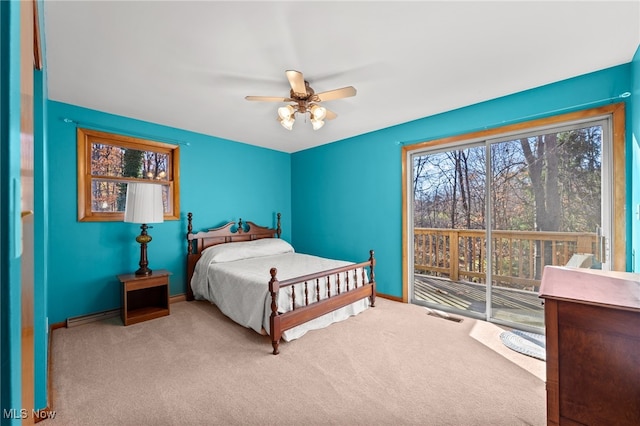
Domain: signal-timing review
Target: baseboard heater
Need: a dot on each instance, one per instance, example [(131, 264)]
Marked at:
[(72, 322), (84, 319)]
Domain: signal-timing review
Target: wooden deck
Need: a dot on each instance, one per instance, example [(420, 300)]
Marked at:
[(523, 307)]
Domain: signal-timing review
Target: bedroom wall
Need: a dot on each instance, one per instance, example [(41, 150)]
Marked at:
[(220, 181), (350, 191)]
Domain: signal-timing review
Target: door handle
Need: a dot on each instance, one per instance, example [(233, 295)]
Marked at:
[(601, 246), (598, 253)]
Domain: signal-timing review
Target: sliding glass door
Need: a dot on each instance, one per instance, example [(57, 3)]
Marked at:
[(546, 209), (449, 228), (488, 216)]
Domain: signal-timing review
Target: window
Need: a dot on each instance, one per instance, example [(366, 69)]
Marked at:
[(107, 162)]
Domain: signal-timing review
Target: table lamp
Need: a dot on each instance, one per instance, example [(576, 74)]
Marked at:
[(144, 205)]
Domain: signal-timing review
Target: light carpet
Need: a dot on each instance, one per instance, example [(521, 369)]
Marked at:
[(390, 365)]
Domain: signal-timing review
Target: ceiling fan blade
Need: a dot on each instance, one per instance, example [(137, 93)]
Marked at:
[(330, 115), (330, 95), (267, 99), (296, 80)]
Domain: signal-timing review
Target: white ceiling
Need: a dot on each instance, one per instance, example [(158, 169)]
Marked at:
[(190, 64)]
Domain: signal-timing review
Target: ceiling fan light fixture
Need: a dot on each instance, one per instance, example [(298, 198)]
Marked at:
[(286, 112), (287, 123), (318, 112), (316, 123)]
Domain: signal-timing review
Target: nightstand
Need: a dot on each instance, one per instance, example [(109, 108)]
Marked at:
[(144, 297)]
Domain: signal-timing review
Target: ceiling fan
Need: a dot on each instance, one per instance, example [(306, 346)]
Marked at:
[(305, 100)]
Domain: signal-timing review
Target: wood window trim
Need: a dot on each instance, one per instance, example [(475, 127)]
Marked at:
[(615, 111), (84, 139)]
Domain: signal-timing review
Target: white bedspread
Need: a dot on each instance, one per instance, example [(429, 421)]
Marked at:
[(240, 289)]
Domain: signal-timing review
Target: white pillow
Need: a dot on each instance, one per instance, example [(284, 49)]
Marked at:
[(229, 252)]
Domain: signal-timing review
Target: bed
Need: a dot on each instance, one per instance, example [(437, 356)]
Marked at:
[(259, 281)]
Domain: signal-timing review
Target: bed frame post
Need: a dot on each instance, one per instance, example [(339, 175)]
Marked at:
[(278, 228), (372, 278), (189, 231), (189, 296), (274, 321)]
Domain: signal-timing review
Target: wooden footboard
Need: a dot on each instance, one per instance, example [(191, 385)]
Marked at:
[(308, 303)]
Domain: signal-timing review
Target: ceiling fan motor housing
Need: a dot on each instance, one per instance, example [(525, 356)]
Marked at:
[(303, 96)]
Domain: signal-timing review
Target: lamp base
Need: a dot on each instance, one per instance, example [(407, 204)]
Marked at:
[(143, 239), (143, 271)]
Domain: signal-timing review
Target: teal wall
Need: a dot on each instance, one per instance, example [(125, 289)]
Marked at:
[(41, 235), (41, 230), (346, 200), (634, 147), (10, 320), (220, 181), (350, 191)]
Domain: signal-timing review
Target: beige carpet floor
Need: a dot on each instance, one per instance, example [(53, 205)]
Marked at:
[(390, 365)]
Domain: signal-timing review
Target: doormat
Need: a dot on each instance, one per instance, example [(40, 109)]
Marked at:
[(530, 344)]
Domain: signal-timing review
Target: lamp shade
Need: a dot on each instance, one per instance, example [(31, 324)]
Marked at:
[(144, 203)]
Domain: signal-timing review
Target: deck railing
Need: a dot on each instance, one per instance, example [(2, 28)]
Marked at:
[(517, 259)]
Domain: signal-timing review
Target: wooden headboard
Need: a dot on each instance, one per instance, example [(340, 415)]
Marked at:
[(228, 233)]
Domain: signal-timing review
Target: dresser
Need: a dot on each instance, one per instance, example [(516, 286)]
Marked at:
[(592, 321)]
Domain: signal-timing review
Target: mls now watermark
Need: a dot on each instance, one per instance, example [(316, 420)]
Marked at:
[(14, 413)]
